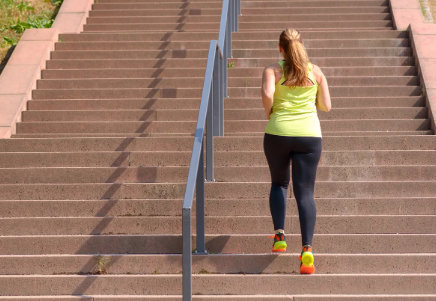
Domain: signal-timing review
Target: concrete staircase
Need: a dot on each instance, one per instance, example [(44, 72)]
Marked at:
[(92, 183)]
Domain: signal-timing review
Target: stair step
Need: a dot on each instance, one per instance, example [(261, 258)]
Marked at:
[(358, 297), (221, 158), (215, 263), (239, 143), (220, 190), (223, 243), (219, 284), (230, 114)]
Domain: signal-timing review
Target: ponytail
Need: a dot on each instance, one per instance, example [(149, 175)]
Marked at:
[(296, 58)]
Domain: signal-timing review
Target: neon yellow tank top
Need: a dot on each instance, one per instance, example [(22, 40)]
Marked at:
[(294, 111)]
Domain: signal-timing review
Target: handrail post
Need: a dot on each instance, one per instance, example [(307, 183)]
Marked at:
[(209, 137), (216, 102), (201, 249), (187, 254)]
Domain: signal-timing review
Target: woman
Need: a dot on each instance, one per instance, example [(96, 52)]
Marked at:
[(292, 90)]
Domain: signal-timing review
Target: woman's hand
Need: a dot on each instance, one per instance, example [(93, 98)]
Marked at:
[(323, 101), (268, 89)]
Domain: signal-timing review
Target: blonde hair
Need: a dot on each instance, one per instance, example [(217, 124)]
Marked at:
[(296, 58)]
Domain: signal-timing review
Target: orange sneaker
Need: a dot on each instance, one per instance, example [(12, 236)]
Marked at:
[(306, 258), (279, 242)]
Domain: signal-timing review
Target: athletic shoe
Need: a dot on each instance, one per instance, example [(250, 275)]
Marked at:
[(306, 258), (279, 242)]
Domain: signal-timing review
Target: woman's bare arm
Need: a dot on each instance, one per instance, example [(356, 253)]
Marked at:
[(268, 89), (323, 101)]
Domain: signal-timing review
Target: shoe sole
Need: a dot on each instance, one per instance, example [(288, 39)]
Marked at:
[(307, 266)]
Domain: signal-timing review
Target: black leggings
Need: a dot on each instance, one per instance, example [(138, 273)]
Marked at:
[(304, 152)]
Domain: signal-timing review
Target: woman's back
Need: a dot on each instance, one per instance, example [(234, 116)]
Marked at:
[(294, 108)]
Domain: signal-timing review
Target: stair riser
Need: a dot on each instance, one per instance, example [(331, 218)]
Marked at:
[(118, 93), (152, 27), (243, 26), (173, 19), (337, 81), (252, 244), (156, 5), (230, 103), (167, 12), (188, 127), (324, 62), (323, 43), (131, 45), (325, 35), (242, 19), (333, 52), (314, 25), (222, 174), (148, 37), (108, 64), (213, 207), (261, 53), (123, 54), (196, 82), (338, 91), (220, 225), (233, 72), (192, 115), (254, 158)]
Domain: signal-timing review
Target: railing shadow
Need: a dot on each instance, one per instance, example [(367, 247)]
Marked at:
[(152, 97)]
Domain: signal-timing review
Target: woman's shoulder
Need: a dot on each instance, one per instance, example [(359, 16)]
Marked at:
[(316, 72), (275, 68)]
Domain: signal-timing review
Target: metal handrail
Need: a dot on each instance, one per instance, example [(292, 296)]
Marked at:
[(211, 115)]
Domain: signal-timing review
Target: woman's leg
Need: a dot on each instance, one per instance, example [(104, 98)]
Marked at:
[(304, 165), (278, 157)]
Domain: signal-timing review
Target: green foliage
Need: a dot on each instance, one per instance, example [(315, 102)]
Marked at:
[(18, 15), (10, 41)]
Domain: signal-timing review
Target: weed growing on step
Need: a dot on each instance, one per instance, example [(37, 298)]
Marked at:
[(230, 64), (100, 266), (18, 15)]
